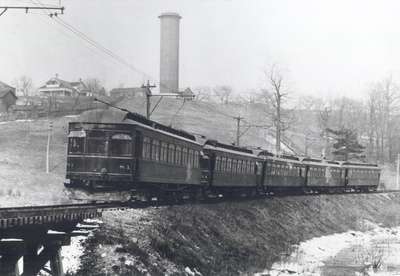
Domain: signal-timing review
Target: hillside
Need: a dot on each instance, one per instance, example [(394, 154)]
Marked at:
[(23, 143), (216, 121), (230, 238)]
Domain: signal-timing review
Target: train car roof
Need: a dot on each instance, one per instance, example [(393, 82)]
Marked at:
[(321, 162), (215, 145), (116, 117), (283, 157), (361, 165)]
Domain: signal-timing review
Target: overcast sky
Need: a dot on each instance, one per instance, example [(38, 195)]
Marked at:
[(329, 47)]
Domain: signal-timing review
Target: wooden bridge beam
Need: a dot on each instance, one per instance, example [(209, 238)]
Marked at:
[(11, 250)]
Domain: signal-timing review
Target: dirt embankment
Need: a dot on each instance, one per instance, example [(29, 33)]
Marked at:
[(226, 238)]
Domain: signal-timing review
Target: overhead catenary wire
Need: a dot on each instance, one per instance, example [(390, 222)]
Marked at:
[(100, 47)]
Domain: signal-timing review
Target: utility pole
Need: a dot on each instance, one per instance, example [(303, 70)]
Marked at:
[(148, 98), (398, 171), (238, 119), (27, 8), (48, 146)]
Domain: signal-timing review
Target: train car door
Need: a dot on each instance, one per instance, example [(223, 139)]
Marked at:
[(205, 166)]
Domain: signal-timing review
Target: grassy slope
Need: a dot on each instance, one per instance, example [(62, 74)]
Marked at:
[(23, 163), (225, 238)]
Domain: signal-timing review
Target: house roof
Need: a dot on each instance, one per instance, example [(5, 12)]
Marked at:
[(62, 83), (5, 89), (4, 86), (128, 90)]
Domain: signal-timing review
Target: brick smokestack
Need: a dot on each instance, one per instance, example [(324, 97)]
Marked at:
[(169, 52)]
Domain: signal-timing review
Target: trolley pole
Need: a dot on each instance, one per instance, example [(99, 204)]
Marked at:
[(50, 129), (148, 98), (238, 119)]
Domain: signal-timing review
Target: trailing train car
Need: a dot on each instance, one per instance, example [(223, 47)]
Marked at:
[(135, 154), (232, 169), (324, 176), (283, 174), (361, 177)]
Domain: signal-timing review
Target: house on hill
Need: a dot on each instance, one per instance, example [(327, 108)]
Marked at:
[(129, 92), (7, 97), (58, 87)]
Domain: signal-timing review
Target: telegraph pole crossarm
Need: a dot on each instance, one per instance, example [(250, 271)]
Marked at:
[(27, 8), (5, 9)]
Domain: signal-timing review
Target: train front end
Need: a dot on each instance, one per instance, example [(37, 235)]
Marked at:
[(100, 157)]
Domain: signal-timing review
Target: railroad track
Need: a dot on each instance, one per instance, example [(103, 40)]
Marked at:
[(14, 217)]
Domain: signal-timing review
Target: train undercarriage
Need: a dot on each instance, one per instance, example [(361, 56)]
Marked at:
[(102, 191)]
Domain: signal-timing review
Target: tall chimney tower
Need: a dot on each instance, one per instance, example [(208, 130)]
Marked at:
[(169, 52)]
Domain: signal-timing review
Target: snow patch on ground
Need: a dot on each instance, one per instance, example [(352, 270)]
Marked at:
[(308, 257), (71, 254)]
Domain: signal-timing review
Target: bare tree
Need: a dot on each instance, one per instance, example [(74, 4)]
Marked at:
[(24, 84), (384, 103), (323, 122), (276, 97), (95, 86), (223, 93), (203, 94)]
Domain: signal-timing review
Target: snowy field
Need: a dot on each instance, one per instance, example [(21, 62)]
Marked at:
[(373, 252)]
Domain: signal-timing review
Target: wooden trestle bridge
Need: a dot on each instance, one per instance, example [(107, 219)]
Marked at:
[(36, 234)]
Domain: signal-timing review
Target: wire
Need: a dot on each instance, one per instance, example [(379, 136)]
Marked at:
[(176, 113), (98, 46)]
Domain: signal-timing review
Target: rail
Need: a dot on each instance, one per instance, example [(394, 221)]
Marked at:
[(12, 217)]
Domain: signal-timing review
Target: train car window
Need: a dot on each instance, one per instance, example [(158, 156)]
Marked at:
[(146, 148), (184, 156), (178, 155), (171, 153), (225, 164), (76, 145), (121, 144), (97, 142), (229, 165), (76, 141), (155, 150), (190, 157), (164, 152), (196, 159), (234, 165)]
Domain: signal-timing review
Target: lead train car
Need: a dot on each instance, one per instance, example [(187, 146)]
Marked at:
[(148, 159)]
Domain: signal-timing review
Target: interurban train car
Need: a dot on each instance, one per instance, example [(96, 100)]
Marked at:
[(132, 155), (125, 154)]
